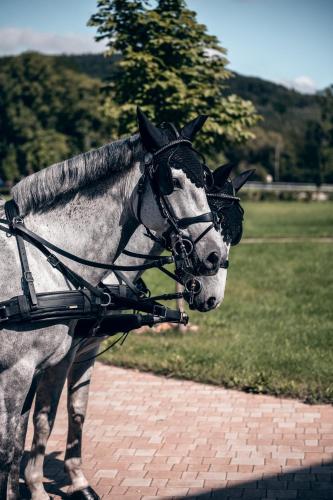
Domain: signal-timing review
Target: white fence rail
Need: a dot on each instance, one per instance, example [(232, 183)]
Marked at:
[(288, 187)]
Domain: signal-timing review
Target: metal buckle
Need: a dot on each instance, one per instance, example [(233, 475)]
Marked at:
[(53, 260), (28, 277), (3, 314), (159, 310), (17, 220)]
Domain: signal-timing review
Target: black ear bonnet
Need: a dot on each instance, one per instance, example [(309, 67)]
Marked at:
[(229, 212), (181, 157)]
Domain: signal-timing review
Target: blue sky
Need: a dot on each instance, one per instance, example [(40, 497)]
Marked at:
[(286, 41)]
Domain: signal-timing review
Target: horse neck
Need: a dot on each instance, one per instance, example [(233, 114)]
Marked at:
[(141, 244), (93, 224)]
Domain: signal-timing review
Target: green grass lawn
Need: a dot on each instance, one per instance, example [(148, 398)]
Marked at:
[(288, 219), (274, 331)]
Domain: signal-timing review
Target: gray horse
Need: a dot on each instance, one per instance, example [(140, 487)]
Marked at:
[(89, 205), (78, 380), (77, 366)]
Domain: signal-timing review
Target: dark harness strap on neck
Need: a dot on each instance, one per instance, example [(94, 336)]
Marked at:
[(13, 217), (88, 301)]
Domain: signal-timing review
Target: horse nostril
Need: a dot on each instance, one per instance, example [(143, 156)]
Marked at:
[(213, 258), (211, 302)]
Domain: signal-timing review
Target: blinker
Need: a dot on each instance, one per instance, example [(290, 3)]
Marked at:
[(164, 179)]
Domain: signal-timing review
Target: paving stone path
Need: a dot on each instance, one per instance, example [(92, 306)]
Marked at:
[(152, 437)]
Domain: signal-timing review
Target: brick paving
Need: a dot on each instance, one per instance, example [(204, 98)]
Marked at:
[(152, 437)]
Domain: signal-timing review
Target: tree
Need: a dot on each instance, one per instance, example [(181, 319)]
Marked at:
[(326, 101), (171, 67), (47, 113)]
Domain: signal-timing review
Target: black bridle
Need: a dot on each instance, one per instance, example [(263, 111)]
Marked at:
[(228, 211), (227, 215), (173, 239)]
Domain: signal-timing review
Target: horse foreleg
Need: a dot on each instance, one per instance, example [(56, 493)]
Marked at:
[(47, 399), (78, 392), (13, 487), (15, 382)]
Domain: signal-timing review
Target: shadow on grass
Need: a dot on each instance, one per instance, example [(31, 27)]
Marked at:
[(308, 483)]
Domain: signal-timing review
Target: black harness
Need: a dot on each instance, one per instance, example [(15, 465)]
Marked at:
[(96, 304), (87, 301), (173, 239), (182, 247), (230, 214)]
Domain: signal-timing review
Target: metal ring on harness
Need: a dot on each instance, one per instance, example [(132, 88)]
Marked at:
[(193, 286), (108, 301), (182, 246)]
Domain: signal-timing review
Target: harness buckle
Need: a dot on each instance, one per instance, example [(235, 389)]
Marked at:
[(28, 277), (159, 310), (53, 260), (141, 185), (3, 314)]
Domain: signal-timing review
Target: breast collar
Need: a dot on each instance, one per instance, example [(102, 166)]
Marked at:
[(183, 248)]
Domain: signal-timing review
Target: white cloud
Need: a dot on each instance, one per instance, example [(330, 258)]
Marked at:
[(303, 84), (16, 40), (213, 53)]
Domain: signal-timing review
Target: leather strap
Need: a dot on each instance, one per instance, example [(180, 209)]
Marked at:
[(188, 221), (13, 217), (40, 242)]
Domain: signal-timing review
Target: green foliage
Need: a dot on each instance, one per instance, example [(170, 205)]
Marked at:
[(289, 121), (272, 334), (326, 137), (171, 67), (47, 113), (288, 140)]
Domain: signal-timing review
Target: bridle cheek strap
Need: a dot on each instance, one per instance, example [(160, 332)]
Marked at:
[(188, 221), (175, 225)]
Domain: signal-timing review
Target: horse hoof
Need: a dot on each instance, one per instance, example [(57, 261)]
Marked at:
[(85, 494)]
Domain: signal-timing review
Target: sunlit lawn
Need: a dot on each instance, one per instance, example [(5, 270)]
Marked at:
[(274, 331), (288, 219)]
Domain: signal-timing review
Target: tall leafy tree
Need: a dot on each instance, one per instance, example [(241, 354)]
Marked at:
[(326, 101), (47, 113), (170, 66)]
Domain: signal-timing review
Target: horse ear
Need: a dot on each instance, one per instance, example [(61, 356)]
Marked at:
[(190, 130), (221, 175), (151, 136), (239, 181)]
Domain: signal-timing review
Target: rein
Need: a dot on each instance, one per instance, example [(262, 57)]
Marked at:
[(87, 301)]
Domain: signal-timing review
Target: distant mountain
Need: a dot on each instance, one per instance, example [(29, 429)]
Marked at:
[(93, 65), (279, 106), (269, 98)]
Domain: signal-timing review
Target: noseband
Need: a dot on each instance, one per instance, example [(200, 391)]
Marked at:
[(173, 238)]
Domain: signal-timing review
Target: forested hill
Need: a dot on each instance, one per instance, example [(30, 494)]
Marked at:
[(268, 97), (260, 91), (286, 144), (57, 114)]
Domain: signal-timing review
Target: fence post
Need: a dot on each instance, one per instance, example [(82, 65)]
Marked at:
[(180, 306)]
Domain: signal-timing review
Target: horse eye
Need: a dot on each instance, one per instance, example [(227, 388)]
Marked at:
[(176, 183)]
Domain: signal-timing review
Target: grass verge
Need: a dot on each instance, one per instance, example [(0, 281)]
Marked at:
[(272, 334)]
